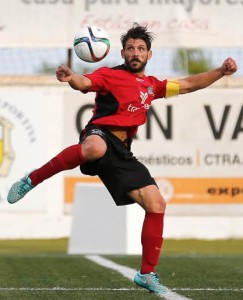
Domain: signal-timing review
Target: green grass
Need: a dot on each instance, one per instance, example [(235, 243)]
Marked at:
[(57, 246), (186, 266), (205, 247)]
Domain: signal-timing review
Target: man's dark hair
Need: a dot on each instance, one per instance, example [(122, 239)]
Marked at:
[(138, 32)]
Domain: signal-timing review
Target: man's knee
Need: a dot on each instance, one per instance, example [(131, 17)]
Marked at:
[(149, 198), (155, 205), (93, 147)]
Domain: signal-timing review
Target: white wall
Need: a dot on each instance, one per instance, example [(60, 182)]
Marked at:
[(42, 116)]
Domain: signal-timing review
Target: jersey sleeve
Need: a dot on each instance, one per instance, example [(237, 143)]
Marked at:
[(100, 80), (166, 88), (159, 88)]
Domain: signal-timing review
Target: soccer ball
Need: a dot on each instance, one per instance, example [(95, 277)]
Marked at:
[(91, 44)]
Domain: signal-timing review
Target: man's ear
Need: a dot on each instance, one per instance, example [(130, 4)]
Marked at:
[(150, 54), (122, 53)]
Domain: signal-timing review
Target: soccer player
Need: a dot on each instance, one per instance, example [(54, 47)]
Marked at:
[(123, 97)]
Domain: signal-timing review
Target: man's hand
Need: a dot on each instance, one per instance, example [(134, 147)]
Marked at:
[(76, 81), (64, 74), (228, 67)]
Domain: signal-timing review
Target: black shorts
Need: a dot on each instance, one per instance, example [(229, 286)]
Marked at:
[(118, 169)]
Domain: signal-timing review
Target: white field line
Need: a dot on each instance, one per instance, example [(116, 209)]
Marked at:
[(58, 288), (209, 289), (129, 273)]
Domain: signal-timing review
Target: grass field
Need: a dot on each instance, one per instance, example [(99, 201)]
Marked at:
[(41, 269)]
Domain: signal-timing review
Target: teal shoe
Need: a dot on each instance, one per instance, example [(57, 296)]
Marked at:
[(19, 189), (150, 282)]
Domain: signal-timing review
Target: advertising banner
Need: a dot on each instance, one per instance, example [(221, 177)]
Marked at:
[(24, 142), (192, 145), (185, 23)]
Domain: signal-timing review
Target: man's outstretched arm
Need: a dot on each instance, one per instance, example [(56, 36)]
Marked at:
[(76, 81), (203, 80)]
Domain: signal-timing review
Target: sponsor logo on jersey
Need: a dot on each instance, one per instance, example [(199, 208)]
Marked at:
[(143, 97), (132, 108)]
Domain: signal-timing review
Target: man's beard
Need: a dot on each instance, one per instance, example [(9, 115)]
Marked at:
[(133, 69)]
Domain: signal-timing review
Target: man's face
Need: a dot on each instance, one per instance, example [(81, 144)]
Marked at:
[(136, 55)]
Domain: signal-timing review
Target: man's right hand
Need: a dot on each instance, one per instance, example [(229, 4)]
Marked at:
[(64, 74)]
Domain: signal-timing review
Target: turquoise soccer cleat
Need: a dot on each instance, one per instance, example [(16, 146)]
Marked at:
[(19, 189), (150, 282)]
